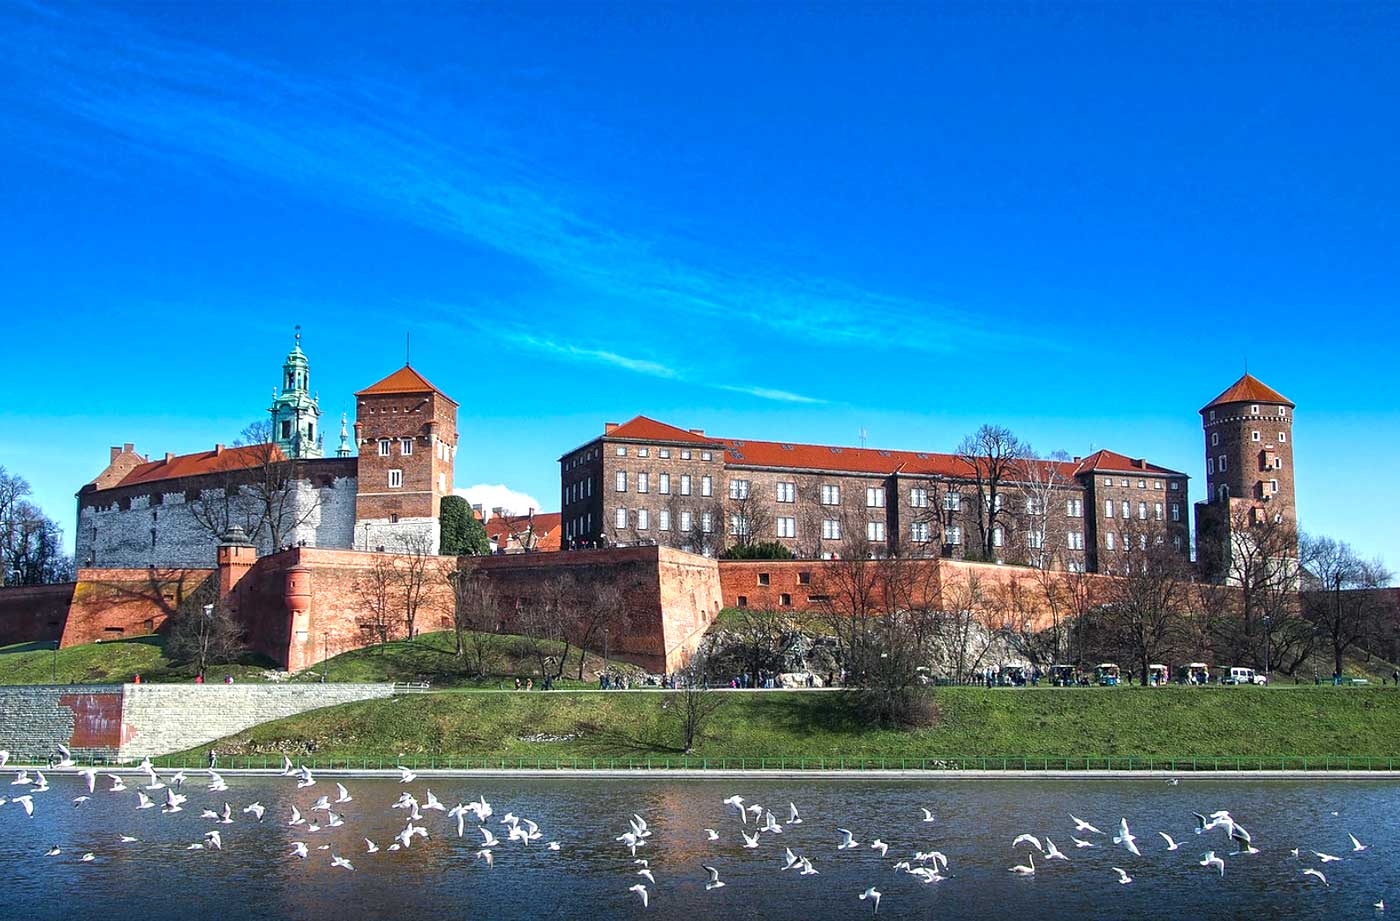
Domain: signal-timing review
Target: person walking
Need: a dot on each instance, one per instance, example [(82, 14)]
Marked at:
[(213, 759)]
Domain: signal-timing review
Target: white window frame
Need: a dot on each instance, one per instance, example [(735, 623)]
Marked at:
[(643, 519), (787, 491), (685, 484), (643, 481), (405, 446), (620, 481), (918, 497), (874, 531), (395, 478), (663, 520), (663, 484), (831, 494), (874, 497), (620, 519), (384, 447), (831, 529), (786, 526)]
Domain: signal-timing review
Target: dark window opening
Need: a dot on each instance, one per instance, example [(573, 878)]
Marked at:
[(763, 578), (743, 601), (785, 600), (804, 578)]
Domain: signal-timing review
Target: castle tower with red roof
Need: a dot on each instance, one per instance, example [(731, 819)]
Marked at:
[(406, 440), (1248, 431)]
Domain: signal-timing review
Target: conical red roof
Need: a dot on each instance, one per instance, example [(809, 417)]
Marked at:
[(404, 380), (1249, 389)]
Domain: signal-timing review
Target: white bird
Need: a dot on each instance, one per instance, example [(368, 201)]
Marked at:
[(53, 851), (770, 824), (65, 758), (307, 780), (927, 875), (178, 779), (486, 855), (1081, 825), (552, 846), (630, 841), (344, 796), (88, 857), (1080, 842), (847, 841), (750, 842), (4, 757), (333, 820), (79, 800), (641, 893), (1032, 840), (459, 812), (1126, 838), (90, 775), (645, 873), (256, 810), (1025, 869), (296, 817), (715, 882), (1208, 859), (488, 838), (214, 840), (792, 859), (878, 845), (1356, 845), (322, 803), (1318, 873), (128, 839), (406, 776), (341, 862), (1325, 858), (1380, 906), (873, 895), (928, 816), (738, 803), (711, 834), (1171, 845), (143, 801), (174, 802), (793, 817), (432, 802), (1052, 852), (299, 850), (756, 809), (118, 785), (287, 768), (1123, 877), (41, 783), (22, 779), (807, 868), (217, 784)]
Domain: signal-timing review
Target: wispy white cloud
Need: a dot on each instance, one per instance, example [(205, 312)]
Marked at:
[(498, 495)]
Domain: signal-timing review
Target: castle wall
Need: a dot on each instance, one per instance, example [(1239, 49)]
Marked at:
[(34, 613)]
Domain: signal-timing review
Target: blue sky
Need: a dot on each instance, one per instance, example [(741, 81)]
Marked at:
[(787, 221)]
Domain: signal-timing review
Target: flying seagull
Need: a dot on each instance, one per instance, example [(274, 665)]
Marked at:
[(715, 882)]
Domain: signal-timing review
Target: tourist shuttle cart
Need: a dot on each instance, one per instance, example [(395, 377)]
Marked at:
[(1064, 676), (1193, 673), (1157, 676), (1106, 674), (1013, 675), (1242, 675)]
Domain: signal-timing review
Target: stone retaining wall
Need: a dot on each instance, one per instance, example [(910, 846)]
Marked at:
[(34, 720)]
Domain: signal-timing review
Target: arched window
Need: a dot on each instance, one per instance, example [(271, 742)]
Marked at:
[(1223, 492)]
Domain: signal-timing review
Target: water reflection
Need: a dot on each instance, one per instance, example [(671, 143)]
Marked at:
[(253, 878)]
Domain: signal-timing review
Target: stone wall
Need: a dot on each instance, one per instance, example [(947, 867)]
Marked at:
[(34, 720), (161, 718), (34, 613)]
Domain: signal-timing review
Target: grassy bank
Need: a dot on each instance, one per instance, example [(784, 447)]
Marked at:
[(970, 722), (108, 663)]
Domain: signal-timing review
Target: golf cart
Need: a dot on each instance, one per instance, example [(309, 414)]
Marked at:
[(1012, 675), (1106, 674), (1064, 676), (1193, 673), (1157, 676)]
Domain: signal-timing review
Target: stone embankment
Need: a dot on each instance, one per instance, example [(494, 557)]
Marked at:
[(122, 723)]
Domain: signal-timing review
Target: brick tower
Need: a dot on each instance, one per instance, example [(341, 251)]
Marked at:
[(406, 438), (1249, 471)]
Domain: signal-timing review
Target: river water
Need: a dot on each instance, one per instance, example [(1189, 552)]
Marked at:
[(253, 878)]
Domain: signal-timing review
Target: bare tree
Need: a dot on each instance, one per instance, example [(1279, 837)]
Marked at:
[(695, 703), (992, 456), (31, 543), (1147, 604), (932, 515), (759, 639), (376, 588), (411, 568), (600, 610), (1255, 615), (475, 613), (203, 633), (1045, 485), (255, 487), (698, 524), (750, 513), (968, 625), (1346, 605)]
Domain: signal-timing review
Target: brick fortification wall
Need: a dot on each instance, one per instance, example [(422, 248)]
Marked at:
[(103, 604), (34, 614)]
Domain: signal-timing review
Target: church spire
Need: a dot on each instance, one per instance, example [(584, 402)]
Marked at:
[(344, 449), (295, 412)]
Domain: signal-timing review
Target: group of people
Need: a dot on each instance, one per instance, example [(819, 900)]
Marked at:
[(529, 684)]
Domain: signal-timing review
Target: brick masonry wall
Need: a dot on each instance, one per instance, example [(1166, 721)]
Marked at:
[(115, 603), (34, 614), (159, 719), (34, 720)]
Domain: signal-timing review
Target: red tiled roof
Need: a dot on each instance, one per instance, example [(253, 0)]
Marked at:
[(644, 429), (1120, 463), (545, 524), (1249, 389), (873, 461), (404, 380), (217, 461)]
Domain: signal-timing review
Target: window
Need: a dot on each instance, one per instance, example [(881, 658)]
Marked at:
[(663, 453), (1075, 566), (1222, 463), (1222, 492), (1210, 465), (804, 578), (1176, 542), (620, 518), (918, 498), (739, 525), (996, 502), (1142, 484), (1142, 511), (383, 447), (1273, 487), (1108, 541), (787, 492), (1142, 544), (918, 532), (1254, 436), (1157, 484), (1283, 411), (952, 501), (704, 455), (685, 521), (1108, 481), (764, 579), (405, 446), (663, 520), (998, 536), (643, 519), (643, 452), (1176, 485), (1157, 510), (1035, 505), (738, 489), (707, 522), (874, 530), (784, 600), (1214, 439), (663, 484), (1035, 539), (1074, 508), (642, 481), (1278, 463), (875, 497), (1212, 415), (286, 429), (685, 455), (952, 534), (395, 479), (831, 529), (620, 481), (685, 484), (1127, 508), (743, 601), (1108, 508), (621, 451), (1075, 540), (1254, 410), (1124, 484), (831, 495), (1282, 437), (787, 527), (1176, 511), (706, 488)]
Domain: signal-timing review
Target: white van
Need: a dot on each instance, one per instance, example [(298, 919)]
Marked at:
[(1244, 676)]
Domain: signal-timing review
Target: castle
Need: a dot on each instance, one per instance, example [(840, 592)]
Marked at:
[(280, 491)]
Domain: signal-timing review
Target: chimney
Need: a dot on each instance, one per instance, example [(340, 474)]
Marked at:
[(169, 457), (531, 513), (129, 448), (700, 432), (497, 511), (1077, 459), (608, 427), (218, 449), (116, 452)]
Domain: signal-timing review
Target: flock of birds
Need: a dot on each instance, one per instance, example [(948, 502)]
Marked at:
[(757, 824)]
